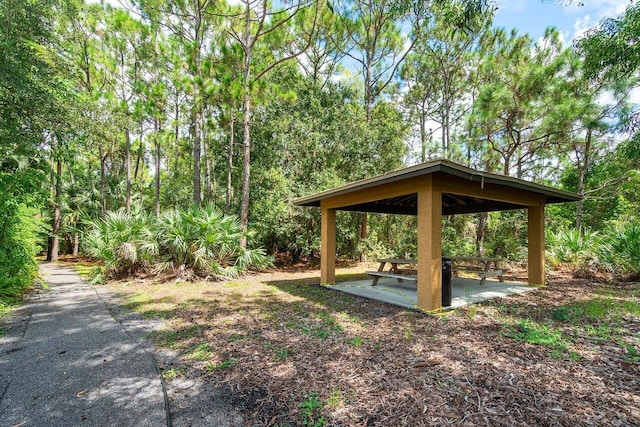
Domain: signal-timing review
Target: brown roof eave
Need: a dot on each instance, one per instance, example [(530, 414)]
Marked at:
[(552, 195)]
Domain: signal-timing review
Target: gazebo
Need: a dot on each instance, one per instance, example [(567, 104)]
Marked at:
[(430, 190)]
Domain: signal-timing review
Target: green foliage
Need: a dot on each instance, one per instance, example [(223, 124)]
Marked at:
[(625, 245), (611, 50), (35, 104), (309, 411), (534, 333), (220, 366), (125, 242), (506, 235), (201, 239), (200, 352), (20, 230), (616, 248), (596, 310), (569, 245)]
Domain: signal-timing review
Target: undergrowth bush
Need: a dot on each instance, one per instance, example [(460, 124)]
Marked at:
[(19, 237), (614, 249), (569, 246), (624, 241), (200, 240)]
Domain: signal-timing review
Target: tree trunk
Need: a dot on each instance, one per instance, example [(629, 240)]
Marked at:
[(363, 238), (127, 166), (480, 232), (368, 95), (246, 141), (423, 138), (197, 145), (208, 166), (176, 140), (157, 125), (227, 207), (197, 150), (55, 224), (139, 155), (76, 244), (246, 165), (507, 165), (103, 180), (582, 171)]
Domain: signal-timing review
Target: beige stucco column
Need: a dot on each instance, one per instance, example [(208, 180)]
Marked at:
[(535, 237), (429, 246), (328, 246)]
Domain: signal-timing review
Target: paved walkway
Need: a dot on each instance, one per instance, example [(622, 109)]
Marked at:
[(65, 361)]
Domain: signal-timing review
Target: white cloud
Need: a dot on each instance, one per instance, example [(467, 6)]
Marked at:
[(593, 12), (634, 96), (516, 6), (582, 25), (606, 98)]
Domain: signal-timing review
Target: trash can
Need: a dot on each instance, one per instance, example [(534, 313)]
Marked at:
[(446, 282)]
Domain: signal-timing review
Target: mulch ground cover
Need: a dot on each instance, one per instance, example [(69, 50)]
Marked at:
[(290, 352)]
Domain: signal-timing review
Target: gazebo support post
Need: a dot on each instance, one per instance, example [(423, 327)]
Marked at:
[(328, 246), (429, 247), (535, 237)]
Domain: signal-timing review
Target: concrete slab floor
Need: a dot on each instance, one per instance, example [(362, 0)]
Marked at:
[(404, 294)]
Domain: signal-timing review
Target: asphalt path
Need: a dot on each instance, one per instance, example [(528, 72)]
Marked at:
[(66, 361)]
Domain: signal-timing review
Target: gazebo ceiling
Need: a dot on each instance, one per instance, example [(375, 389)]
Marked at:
[(451, 203)]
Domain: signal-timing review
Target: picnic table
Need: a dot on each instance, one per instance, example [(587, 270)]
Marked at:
[(394, 272), (483, 266)]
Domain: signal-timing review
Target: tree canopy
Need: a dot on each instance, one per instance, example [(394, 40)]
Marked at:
[(243, 106)]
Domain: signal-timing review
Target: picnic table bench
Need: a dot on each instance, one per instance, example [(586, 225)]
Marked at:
[(482, 266), (479, 265), (394, 271)]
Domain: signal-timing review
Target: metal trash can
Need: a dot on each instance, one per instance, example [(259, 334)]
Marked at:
[(446, 282)]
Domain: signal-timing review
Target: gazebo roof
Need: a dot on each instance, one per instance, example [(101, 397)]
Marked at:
[(451, 203)]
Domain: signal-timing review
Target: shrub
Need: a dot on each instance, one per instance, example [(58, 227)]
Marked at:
[(202, 240), (568, 245), (19, 237), (125, 242), (624, 241)]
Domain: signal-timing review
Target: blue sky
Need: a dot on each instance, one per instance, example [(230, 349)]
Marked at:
[(572, 18)]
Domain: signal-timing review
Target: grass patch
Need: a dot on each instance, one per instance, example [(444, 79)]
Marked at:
[(632, 354), (535, 333), (201, 352), (355, 341), (174, 339), (150, 307), (310, 411), (86, 271), (598, 309), (220, 366), (172, 373)]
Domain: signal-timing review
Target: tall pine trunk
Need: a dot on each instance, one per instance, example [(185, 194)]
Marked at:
[(582, 171), (103, 180), (157, 125), (52, 254), (127, 166), (197, 151), (480, 232), (76, 244), (227, 207), (246, 121), (246, 167)]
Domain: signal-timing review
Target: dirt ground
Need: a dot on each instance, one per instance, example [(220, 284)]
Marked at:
[(282, 351)]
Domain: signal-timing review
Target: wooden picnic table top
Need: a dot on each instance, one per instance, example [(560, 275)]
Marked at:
[(472, 258), (397, 261), (455, 258)]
